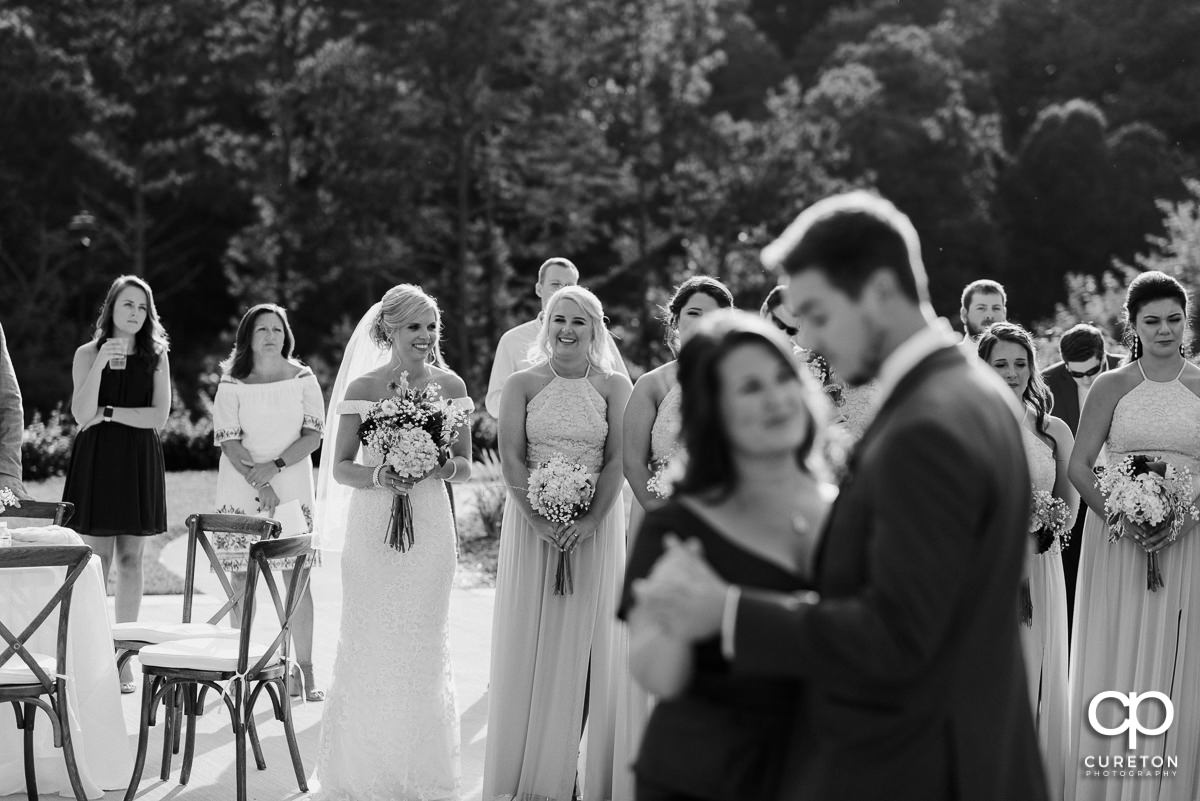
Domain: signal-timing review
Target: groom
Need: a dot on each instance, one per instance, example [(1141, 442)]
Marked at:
[(909, 649)]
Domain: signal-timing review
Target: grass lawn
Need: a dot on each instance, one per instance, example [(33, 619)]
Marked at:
[(191, 491)]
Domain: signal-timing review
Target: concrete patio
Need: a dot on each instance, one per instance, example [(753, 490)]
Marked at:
[(212, 776)]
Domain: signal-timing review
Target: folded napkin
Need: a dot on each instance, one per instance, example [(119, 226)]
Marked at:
[(44, 535)]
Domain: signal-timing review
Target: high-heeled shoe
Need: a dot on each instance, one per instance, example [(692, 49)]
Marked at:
[(302, 680)]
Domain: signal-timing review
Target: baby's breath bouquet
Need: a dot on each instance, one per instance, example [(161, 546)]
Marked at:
[(412, 430), (561, 491), (8, 500), (1051, 532), (1150, 493), (667, 471)]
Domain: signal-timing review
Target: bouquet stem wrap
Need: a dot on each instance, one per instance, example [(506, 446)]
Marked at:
[(564, 581), (400, 524)]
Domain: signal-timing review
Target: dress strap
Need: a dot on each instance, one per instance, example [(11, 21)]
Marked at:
[(1143, 371), (1182, 367)]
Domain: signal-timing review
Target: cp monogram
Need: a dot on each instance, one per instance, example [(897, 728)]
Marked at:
[(1132, 722)]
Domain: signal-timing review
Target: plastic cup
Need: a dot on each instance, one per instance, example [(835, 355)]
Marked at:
[(117, 362)]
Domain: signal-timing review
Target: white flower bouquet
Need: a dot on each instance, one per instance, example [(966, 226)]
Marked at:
[(412, 430), (1048, 523), (1150, 493), (8, 500), (561, 491), (666, 472)]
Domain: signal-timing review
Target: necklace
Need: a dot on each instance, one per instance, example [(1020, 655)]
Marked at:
[(557, 374)]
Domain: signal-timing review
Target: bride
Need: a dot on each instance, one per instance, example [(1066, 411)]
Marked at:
[(390, 729)]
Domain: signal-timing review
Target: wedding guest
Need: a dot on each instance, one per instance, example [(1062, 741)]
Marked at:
[(512, 352), (984, 302), (1009, 349), (268, 417), (116, 477), (1129, 637), (554, 656), (910, 652), (651, 439), (1084, 356), (12, 423), (753, 498)]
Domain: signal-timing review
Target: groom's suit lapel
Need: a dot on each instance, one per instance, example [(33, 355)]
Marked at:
[(939, 359)]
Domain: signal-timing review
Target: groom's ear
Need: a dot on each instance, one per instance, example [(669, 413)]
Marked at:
[(881, 287)]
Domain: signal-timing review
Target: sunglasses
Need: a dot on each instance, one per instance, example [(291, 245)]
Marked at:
[(790, 330), (1086, 373)]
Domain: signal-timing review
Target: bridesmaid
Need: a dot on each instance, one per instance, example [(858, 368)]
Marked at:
[(754, 498), (651, 438), (1128, 638), (1008, 348), (554, 657)]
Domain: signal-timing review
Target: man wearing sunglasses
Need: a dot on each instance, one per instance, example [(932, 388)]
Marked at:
[(776, 313), (1083, 358)]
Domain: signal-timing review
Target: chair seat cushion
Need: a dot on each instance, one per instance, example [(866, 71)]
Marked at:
[(15, 671), (165, 632), (199, 653)]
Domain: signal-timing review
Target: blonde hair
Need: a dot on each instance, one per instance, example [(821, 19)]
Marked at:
[(599, 353), (399, 305)]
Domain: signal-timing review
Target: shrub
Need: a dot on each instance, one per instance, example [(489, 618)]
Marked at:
[(489, 493), (46, 446), (187, 438)]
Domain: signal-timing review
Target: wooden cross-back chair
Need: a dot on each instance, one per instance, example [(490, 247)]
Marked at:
[(197, 665), (58, 512), (31, 681), (130, 638)]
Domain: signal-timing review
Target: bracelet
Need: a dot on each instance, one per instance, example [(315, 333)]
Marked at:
[(375, 476), (453, 473)]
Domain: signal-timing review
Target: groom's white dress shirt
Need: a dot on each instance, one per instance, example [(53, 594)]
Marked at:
[(899, 363)]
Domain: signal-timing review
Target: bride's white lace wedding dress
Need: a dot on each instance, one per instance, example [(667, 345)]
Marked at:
[(390, 729)]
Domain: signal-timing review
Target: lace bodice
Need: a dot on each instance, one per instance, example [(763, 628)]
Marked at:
[(1158, 418), (569, 416), (1041, 461), (664, 434)]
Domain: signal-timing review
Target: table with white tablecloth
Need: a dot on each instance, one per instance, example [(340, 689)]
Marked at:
[(102, 749)]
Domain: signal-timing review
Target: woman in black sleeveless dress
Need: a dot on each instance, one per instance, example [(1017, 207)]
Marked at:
[(116, 479), (752, 497)]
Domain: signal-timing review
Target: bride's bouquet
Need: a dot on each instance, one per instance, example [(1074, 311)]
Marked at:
[(411, 430), (1051, 532), (1151, 493), (561, 491)]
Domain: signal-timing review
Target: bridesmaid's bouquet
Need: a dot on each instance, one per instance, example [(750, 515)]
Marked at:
[(1151, 493), (666, 472), (1048, 523), (1051, 532), (412, 430), (561, 491)]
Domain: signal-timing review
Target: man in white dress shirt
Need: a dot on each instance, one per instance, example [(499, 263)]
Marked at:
[(512, 352)]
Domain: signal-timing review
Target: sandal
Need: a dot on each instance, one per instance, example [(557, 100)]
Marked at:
[(302, 678), (128, 687)]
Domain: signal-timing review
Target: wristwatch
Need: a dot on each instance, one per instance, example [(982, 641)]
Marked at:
[(108, 412), (279, 463)]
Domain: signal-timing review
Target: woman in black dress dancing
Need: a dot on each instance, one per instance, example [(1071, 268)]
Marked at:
[(752, 495), (116, 478)]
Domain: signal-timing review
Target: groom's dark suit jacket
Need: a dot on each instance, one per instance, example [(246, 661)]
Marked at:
[(916, 686)]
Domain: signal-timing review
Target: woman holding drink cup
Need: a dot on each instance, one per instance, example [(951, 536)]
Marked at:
[(116, 478)]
